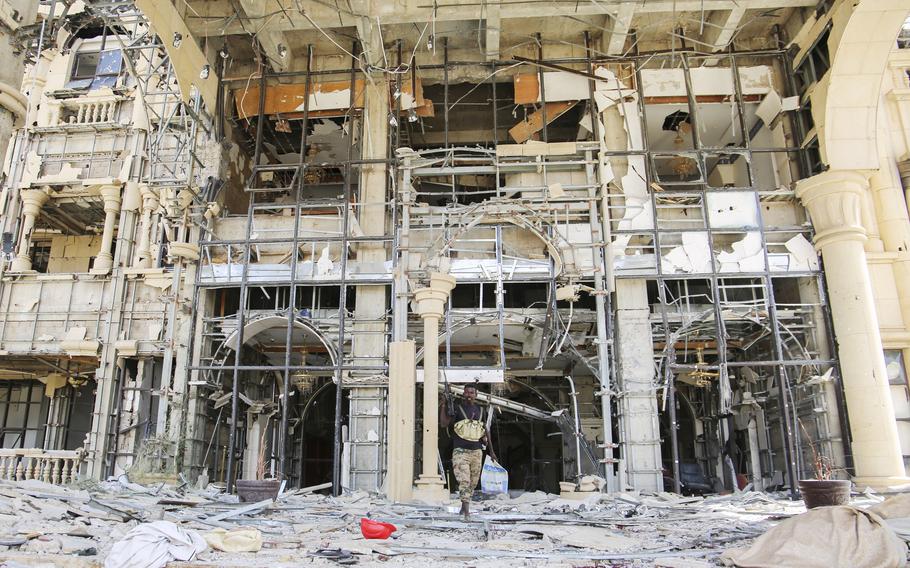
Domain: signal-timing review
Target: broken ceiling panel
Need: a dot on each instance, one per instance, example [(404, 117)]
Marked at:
[(769, 107), (694, 256), (706, 81), (803, 254), (732, 210), (564, 86), (289, 100), (747, 255)]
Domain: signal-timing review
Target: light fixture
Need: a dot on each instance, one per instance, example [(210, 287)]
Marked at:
[(282, 125), (77, 381), (223, 52), (282, 50), (392, 120), (701, 377), (682, 165), (305, 383), (204, 73), (177, 39), (412, 115), (396, 94), (430, 42)]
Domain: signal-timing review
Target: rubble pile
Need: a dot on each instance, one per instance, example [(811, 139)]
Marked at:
[(122, 524)]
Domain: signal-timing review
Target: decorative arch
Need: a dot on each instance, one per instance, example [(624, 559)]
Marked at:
[(513, 213), (262, 323), (860, 59), (257, 325)]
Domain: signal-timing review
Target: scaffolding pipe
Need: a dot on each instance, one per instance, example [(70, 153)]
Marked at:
[(244, 293), (292, 289), (780, 372), (577, 434), (342, 300), (602, 289)]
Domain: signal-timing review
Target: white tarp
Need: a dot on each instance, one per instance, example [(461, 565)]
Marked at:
[(153, 545)]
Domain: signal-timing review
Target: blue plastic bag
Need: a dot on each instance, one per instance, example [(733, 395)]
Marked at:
[(493, 478)]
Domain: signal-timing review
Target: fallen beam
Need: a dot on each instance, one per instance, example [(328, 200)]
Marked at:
[(505, 404), (251, 508), (481, 553), (523, 131)]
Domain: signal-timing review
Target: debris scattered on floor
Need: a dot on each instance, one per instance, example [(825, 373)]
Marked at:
[(118, 523)]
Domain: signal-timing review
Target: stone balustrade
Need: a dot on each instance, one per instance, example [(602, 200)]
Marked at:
[(84, 111), (51, 466)]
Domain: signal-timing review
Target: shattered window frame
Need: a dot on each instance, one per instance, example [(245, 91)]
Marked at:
[(107, 69)]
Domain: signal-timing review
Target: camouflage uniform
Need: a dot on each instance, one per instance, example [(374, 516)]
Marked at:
[(467, 465)]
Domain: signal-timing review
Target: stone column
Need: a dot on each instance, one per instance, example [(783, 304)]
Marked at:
[(149, 205), (431, 302), (32, 201), (834, 199), (370, 217), (105, 260), (638, 407), (402, 400), (13, 103)]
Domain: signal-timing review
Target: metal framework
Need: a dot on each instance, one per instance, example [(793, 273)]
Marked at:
[(726, 308), (302, 292)]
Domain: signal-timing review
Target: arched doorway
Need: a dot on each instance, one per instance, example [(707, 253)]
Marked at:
[(260, 441)]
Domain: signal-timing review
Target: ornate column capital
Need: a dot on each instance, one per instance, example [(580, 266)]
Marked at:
[(834, 200), (111, 195), (33, 200), (431, 300)]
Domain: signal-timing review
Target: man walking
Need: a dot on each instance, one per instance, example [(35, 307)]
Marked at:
[(471, 434)]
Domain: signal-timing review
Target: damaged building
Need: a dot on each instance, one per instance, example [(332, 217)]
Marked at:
[(248, 240)]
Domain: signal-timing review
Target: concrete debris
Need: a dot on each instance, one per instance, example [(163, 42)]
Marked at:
[(62, 525)]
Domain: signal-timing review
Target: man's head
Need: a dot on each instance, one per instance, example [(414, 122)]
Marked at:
[(470, 393)]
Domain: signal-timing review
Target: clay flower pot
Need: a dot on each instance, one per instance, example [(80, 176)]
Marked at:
[(824, 492), (255, 490)]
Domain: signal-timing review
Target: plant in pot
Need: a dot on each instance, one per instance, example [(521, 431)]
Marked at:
[(259, 489), (822, 491)]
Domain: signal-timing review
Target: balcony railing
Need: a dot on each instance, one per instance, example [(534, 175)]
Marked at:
[(89, 110), (50, 466)]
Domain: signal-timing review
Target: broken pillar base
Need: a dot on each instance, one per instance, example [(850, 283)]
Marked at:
[(21, 265), (104, 262), (430, 489), (186, 251), (881, 483)]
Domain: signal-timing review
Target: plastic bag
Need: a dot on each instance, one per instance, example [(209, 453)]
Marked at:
[(493, 478)]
